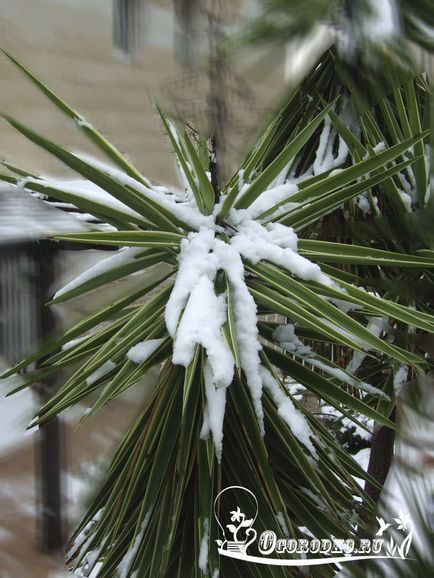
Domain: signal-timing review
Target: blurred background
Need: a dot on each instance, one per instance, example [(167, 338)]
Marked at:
[(112, 59)]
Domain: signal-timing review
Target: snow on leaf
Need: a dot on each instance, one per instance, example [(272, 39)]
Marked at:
[(140, 352), (204, 547)]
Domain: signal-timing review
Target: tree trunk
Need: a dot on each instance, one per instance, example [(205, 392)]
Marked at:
[(380, 459)]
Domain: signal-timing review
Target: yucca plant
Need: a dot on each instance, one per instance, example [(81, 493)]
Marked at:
[(218, 265)]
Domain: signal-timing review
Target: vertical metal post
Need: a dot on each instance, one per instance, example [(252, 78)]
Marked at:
[(49, 454)]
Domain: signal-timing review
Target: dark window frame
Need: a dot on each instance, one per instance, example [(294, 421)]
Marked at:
[(126, 23)]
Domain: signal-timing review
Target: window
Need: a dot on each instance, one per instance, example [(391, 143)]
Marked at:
[(18, 304), (186, 12), (126, 24)]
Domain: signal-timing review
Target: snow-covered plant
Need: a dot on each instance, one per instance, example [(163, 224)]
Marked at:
[(234, 257)]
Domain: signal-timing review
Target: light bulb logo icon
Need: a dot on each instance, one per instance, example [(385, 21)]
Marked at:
[(236, 509)]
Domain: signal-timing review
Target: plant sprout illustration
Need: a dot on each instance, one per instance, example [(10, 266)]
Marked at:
[(238, 516)]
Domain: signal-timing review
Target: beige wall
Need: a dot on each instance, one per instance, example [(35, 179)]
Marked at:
[(68, 43)]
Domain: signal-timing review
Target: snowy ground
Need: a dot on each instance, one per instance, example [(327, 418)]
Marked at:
[(15, 414), (86, 448)]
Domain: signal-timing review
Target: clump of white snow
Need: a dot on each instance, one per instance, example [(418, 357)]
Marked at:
[(204, 313), (376, 325), (187, 212), (289, 413), (343, 305), (381, 23), (128, 559), (83, 189), (195, 261), (101, 372), (379, 147), (278, 244), (285, 335), (83, 537), (244, 310), (73, 343), (204, 547), (201, 324), (362, 201), (288, 340), (271, 197), (325, 159), (282, 523), (407, 200), (400, 378), (214, 412), (296, 389), (140, 352), (123, 256)]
